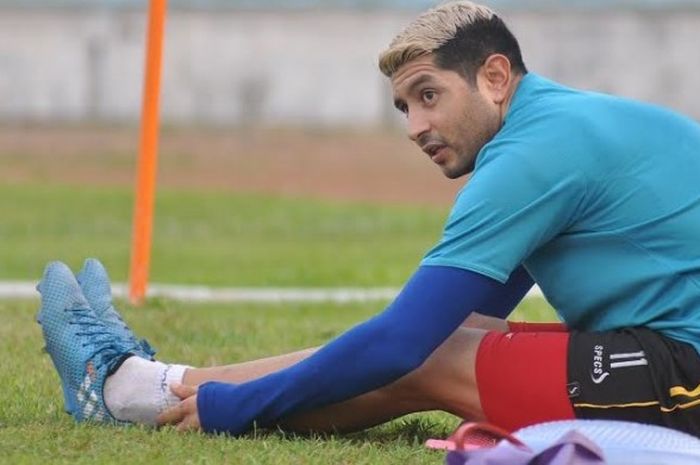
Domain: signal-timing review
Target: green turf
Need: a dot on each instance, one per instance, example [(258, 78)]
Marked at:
[(219, 239), (34, 429)]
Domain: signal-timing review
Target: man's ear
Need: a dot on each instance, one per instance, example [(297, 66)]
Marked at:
[(494, 78)]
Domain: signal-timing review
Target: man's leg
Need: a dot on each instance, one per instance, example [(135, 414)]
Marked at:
[(246, 371), (522, 379), (446, 381), (399, 398)]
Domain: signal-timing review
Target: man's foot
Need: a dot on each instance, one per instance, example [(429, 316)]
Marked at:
[(82, 348), (94, 282)]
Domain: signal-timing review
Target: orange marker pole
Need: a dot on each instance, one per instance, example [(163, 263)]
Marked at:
[(148, 155)]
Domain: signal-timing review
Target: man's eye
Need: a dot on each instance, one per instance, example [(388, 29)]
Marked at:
[(429, 96)]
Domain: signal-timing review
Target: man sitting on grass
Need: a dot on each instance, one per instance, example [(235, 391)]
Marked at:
[(595, 198)]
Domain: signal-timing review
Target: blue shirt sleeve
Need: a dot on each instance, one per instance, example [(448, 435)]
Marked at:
[(517, 286), (432, 305)]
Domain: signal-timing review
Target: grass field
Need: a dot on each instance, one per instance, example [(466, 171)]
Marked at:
[(216, 239)]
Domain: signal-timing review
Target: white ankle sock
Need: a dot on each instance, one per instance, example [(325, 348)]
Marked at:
[(140, 390)]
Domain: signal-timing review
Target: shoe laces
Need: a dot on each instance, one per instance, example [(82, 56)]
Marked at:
[(107, 345), (112, 317)]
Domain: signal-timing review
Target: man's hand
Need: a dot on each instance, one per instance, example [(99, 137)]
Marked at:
[(184, 415)]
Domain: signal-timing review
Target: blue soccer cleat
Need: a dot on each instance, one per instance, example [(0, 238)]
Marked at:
[(83, 349), (94, 282)]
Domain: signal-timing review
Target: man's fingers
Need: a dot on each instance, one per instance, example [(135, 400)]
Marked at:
[(171, 416), (183, 415), (183, 391), (190, 423)]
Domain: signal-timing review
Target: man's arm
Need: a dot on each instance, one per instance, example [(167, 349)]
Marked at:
[(493, 318), (518, 285), (373, 354)]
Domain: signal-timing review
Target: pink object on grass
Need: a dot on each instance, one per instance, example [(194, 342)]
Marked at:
[(470, 436)]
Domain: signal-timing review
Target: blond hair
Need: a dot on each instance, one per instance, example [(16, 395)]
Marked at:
[(430, 31)]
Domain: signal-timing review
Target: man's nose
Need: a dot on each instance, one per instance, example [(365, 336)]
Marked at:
[(417, 124)]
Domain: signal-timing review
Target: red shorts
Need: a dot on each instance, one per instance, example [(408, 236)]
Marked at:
[(532, 375), (522, 378)]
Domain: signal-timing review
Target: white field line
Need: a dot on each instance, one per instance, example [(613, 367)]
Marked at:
[(27, 290)]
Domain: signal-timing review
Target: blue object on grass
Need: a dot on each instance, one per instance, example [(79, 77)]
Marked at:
[(94, 282), (82, 348)]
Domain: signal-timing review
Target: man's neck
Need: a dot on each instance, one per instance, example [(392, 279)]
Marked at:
[(505, 106)]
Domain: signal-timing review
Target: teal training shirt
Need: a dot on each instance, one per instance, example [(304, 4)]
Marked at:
[(599, 198)]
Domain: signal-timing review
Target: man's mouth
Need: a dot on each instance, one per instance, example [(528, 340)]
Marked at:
[(434, 150)]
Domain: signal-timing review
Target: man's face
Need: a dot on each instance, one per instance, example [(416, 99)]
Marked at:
[(447, 117)]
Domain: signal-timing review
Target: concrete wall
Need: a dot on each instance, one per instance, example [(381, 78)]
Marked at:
[(308, 67)]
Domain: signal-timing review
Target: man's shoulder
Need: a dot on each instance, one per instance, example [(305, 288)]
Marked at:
[(552, 123), (545, 105)]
